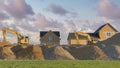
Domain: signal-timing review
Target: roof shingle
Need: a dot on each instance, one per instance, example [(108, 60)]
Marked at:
[(42, 33)]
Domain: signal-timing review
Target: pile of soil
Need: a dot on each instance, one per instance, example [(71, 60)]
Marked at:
[(117, 48), (2, 44), (48, 52), (89, 52), (6, 53), (37, 52), (56, 53), (114, 40), (111, 46), (28, 52), (62, 54)]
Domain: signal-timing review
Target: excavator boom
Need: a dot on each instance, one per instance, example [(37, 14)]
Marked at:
[(21, 39), (83, 34)]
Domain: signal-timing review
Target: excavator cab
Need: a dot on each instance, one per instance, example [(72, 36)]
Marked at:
[(27, 39), (24, 40)]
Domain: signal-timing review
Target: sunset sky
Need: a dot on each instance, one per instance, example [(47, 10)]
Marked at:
[(29, 17)]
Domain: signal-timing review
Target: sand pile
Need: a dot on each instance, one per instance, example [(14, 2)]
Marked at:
[(4, 43), (37, 52), (62, 54), (6, 53), (111, 46), (87, 52), (28, 52), (117, 48), (56, 53)]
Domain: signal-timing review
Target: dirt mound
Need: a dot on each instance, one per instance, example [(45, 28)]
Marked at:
[(62, 54), (112, 51), (37, 53), (114, 40), (6, 53), (117, 48), (48, 52), (87, 52), (111, 46), (28, 52), (4, 43), (56, 53)]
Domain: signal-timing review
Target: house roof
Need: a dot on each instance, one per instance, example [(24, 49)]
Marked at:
[(94, 35), (103, 26), (72, 36), (42, 33)]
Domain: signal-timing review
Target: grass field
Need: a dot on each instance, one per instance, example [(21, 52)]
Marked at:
[(60, 64)]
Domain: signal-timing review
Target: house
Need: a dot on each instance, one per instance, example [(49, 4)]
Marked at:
[(104, 32), (50, 37)]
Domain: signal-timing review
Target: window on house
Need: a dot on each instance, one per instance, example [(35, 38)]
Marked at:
[(50, 38), (108, 34)]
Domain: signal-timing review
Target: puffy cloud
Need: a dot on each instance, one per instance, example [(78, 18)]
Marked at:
[(43, 22), (32, 27), (70, 25), (57, 9), (11, 12), (109, 9), (18, 9)]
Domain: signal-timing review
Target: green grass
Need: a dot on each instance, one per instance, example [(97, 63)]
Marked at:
[(60, 64)]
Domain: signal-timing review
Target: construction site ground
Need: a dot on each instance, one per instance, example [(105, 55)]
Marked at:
[(104, 50)]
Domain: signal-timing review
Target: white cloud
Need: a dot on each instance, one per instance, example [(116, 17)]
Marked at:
[(18, 9)]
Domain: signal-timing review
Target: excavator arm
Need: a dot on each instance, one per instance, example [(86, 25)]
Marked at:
[(83, 34), (21, 39), (5, 30)]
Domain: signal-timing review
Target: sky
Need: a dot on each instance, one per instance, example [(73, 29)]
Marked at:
[(29, 17)]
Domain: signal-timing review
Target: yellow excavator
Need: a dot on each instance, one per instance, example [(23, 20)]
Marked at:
[(83, 34), (21, 39)]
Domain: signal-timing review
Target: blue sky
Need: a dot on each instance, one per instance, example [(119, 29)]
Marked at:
[(85, 8), (29, 17)]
